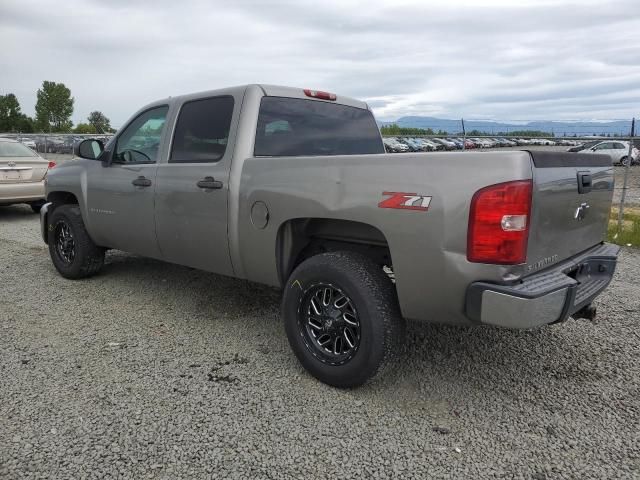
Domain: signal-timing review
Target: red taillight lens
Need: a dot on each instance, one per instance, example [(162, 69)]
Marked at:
[(51, 165), (499, 223), (320, 95)]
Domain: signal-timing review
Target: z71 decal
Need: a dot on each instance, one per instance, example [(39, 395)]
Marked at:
[(405, 201)]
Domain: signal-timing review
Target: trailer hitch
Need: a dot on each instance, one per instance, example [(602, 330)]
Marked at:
[(587, 312)]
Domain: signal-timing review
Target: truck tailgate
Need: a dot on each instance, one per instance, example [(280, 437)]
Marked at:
[(571, 205)]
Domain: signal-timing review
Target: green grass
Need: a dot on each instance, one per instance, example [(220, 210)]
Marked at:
[(630, 232)]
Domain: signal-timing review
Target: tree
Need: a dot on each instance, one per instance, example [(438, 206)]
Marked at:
[(99, 122), (24, 124), (10, 113), (54, 107), (84, 128), (394, 129)]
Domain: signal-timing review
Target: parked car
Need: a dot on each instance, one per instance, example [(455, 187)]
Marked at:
[(446, 143), (415, 145), (481, 142), (22, 173), (584, 146), (320, 211), (456, 142), (618, 151), (394, 146), (428, 145), (505, 142), (28, 142)]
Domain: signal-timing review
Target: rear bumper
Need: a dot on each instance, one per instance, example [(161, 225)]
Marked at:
[(550, 296), (21, 192)]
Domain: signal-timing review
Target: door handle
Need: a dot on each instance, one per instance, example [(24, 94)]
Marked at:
[(209, 182), (141, 182)]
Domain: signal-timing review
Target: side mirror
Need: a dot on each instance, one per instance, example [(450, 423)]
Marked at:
[(89, 149)]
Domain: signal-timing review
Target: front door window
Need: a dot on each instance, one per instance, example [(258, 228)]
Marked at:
[(140, 141)]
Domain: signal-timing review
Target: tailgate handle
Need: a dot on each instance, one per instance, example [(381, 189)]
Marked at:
[(584, 182)]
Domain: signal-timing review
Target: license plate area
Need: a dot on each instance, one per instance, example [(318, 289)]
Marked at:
[(15, 175)]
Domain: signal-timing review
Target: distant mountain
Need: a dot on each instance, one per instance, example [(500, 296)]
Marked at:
[(620, 127)]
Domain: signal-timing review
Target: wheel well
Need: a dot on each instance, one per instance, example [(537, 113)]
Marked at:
[(301, 238), (62, 198)]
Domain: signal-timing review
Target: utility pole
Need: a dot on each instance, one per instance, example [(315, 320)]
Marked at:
[(626, 177), (464, 135)]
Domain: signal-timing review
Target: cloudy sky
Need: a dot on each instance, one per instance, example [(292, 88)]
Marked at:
[(491, 59)]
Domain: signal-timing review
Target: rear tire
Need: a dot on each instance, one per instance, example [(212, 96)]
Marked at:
[(342, 318), (624, 161), (72, 251)]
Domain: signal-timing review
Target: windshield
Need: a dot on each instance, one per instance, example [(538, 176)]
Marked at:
[(12, 149)]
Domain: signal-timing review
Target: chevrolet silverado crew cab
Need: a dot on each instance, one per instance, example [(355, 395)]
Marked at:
[(293, 188)]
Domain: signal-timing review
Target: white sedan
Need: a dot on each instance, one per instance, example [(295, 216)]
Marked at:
[(617, 150)]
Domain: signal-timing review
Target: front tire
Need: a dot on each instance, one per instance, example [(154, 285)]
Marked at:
[(72, 251), (342, 318)]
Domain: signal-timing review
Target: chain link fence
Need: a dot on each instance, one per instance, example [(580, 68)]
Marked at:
[(625, 216), (48, 145)]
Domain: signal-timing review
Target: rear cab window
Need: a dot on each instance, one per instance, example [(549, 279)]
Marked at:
[(299, 127)]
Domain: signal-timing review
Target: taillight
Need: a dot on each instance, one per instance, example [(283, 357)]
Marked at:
[(319, 94), (51, 165), (499, 223)]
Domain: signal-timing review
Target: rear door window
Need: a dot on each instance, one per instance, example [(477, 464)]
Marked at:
[(299, 127), (202, 131)]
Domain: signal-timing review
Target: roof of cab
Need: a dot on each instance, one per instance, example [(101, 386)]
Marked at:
[(279, 91), (268, 90)]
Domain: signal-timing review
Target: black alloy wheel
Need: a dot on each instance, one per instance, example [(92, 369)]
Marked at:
[(65, 243), (329, 324)]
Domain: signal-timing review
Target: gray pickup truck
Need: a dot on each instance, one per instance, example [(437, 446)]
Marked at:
[(293, 188)]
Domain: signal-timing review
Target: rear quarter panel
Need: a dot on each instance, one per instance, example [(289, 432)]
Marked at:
[(428, 249)]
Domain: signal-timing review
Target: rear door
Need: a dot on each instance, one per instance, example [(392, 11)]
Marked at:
[(192, 186), (571, 204)]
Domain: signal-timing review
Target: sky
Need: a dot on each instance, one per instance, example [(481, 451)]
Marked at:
[(493, 60)]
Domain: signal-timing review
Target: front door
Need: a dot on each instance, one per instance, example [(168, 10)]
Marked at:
[(192, 186), (120, 193)]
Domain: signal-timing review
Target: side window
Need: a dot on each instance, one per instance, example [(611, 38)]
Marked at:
[(202, 131), (140, 141), (603, 146), (619, 146)]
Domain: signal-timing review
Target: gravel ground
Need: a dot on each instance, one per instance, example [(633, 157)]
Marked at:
[(152, 370)]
